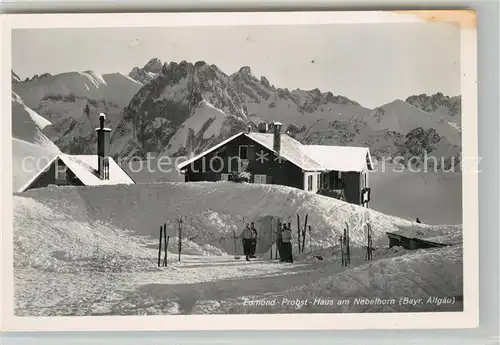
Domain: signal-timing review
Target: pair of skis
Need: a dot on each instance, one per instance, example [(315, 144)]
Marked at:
[(303, 233)]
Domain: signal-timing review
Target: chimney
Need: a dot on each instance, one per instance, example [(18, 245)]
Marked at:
[(249, 129), (277, 137), (103, 148), (263, 127)]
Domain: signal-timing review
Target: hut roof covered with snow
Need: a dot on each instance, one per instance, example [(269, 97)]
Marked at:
[(306, 157), (85, 169)]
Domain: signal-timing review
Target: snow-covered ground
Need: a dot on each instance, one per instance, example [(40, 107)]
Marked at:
[(94, 250)]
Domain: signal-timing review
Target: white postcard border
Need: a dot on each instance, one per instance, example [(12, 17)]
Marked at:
[(469, 318)]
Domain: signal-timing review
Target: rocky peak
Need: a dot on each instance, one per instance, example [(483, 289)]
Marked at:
[(200, 64), (245, 70), (150, 71), (436, 102), (154, 65), (39, 77), (264, 81), (244, 74)]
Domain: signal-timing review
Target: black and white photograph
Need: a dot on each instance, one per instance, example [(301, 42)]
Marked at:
[(231, 165)]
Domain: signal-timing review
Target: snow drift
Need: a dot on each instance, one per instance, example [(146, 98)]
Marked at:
[(93, 250), (213, 212)]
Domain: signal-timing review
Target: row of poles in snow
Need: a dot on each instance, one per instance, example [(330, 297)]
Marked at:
[(345, 244), (164, 239)]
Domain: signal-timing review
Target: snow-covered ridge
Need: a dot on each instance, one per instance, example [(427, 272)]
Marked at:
[(114, 87), (39, 120)]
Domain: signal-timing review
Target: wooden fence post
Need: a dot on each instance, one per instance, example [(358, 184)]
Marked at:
[(165, 237), (159, 246), (271, 232), (298, 230), (179, 236), (342, 249), (277, 242), (348, 244), (234, 240)]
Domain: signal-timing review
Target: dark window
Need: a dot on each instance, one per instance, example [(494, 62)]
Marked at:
[(309, 182), (60, 172)]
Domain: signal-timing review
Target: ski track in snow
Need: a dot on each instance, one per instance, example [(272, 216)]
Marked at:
[(78, 258)]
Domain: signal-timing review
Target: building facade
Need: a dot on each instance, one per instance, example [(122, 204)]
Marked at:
[(276, 158)]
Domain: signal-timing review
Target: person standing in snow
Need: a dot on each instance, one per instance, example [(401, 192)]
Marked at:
[(286, 236), (254, 240), (279, 242), (246, 236)]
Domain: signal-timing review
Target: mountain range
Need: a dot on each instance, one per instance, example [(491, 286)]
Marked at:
[(181, 108)]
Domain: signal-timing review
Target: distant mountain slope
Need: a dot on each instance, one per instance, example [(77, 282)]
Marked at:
[(264, 102), (162, 107), (62, 100), (401, 117), (204, 124), (182, 108), (157, 117), (113, 88), (394, 129)]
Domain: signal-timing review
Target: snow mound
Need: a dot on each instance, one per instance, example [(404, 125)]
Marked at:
[(56, 237), (417, 274), (213, 213)]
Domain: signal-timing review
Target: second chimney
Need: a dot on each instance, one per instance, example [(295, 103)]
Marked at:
[(277, 137), (263, 127)]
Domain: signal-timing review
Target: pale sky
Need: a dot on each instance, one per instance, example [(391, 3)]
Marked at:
[(372, 64)]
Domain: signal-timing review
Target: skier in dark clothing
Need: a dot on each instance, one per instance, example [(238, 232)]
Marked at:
[(279, 242), (254, 240), (286, 236), (246, 236), (418, 221)]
